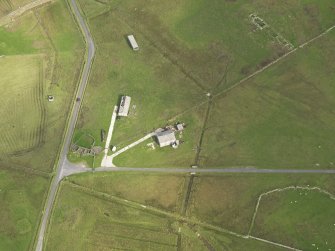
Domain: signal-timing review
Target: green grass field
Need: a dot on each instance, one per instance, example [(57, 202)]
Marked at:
[(21, 198), (214, 240), (145, 156), (7, 6), (47, 50), (274, 120), (105, 225), (84, 219), (229, 201), (41, 54), (281, 118), (299, 218), (24, 110), (226, 201), (154, 86), (162, 191)]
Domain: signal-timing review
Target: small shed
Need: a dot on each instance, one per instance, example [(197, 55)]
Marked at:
[(133, 42), (124, 106), (179, 126), (166, 138), (51, 98)]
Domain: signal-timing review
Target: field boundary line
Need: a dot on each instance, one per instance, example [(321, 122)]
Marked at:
[(203, 130), (206, 243), (331, 196), (176, 216), (54, 53), (18, 12), (274, 62), (96, 15), (273, 243), (137, 205), (11, 167)]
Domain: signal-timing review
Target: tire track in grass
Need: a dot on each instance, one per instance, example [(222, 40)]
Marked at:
[(7, 140), (6, 165), (40, 102), (33, 140), (6, 135), (21, 10), (31, 133), (54, 52), (165, 55)]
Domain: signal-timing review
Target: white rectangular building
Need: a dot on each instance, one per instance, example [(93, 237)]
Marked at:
[(133, 43), (124, 106), (166, 138)]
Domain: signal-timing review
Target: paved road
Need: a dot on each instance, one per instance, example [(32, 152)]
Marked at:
[(109, 138), (210, 170), (108, 160), (71, 125), (70, 168)]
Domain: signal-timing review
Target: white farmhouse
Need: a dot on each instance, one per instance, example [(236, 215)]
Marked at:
[(166, 138), (124, 106)]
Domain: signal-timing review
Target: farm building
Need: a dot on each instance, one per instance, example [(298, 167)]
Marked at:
[(133, 42), (166, 138), (124, 106), (179, 126), (51, 98)]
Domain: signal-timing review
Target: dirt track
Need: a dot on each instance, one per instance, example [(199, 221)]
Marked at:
[(18, 12)]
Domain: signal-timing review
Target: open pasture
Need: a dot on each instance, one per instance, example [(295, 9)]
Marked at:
[(21, 198), (42, 54), (195, 48), (149, 154), (302, 218), (229, 200), (158, 89), (216, 43), (23, 107), (282, 118), (97, 223), (215, 240), (7, 6), (159, 190)]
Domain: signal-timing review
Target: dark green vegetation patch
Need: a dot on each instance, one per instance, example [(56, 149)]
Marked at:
[(21, 198)]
